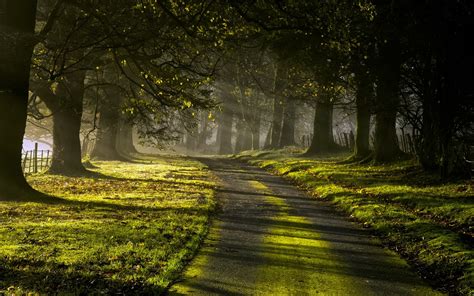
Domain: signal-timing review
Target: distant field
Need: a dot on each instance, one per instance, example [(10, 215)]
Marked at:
[(131, 227), (428, 222)]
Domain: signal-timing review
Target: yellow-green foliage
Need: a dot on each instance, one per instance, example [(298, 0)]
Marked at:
[(132, 226), (429, 222)]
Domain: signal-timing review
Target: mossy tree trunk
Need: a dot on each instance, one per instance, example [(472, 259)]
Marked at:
[(17, 22)]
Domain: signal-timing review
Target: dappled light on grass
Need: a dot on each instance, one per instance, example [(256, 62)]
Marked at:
[(429, 222), (131, 229)]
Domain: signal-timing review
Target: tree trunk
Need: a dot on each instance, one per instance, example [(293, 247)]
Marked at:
[(278, 87), (67, 126), (225, 123), (16, 46), (276, 121), (268, 138), (364, 95), (323, 139), (109, 109), (203, 132), (256, 131), (125, 139), (239, 141), (247, 137), (428, 153), (387, 100), (225, 127), (288, 129)]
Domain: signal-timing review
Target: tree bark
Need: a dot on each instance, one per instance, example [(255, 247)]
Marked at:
[(288, 128), (364, 95), (67, 125), (279, 85), (277, 121), (225, 123), (247, 137), (268, 138), (109, 109), (125, 138), (428, 153), (387, 101), (239, 141), (16, 46), (256, 131), (225, 127), (323, 139)]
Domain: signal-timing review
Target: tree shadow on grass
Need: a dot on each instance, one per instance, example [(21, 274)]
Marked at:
[(51, 278), (30, 195)]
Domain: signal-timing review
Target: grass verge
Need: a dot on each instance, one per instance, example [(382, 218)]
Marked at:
[(428, 222), (129, 229)]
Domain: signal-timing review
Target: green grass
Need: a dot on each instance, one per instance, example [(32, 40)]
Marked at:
[(427, 221), (129, 229)]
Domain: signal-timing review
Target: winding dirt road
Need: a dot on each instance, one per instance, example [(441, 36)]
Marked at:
[(272, 239)]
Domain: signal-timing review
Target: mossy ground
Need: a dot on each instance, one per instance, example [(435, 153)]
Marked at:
[(425, 220), (129, 229)]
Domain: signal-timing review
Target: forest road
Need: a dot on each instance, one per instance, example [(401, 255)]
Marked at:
[(269, 238)]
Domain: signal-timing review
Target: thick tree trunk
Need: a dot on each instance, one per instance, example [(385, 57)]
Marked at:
[(268, 139), (67, 118), (203, 132), (428, 153), (279, 85), (225, 127), (239, 141), (256, 131), (364, 95), (106, 144), (17, 22), (247, 137), (387, 100), (276, 122), (323, 139), (124, 142), (225, 123), (288, 128)]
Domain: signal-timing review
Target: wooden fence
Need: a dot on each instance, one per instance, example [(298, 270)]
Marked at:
[(35, 161), (345, 140), (407, 143)]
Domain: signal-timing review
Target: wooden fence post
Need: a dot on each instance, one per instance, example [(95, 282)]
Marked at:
[(346, 140), (47, 158), (35, 159), (351, 140), (25, 159), (41, 161)]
